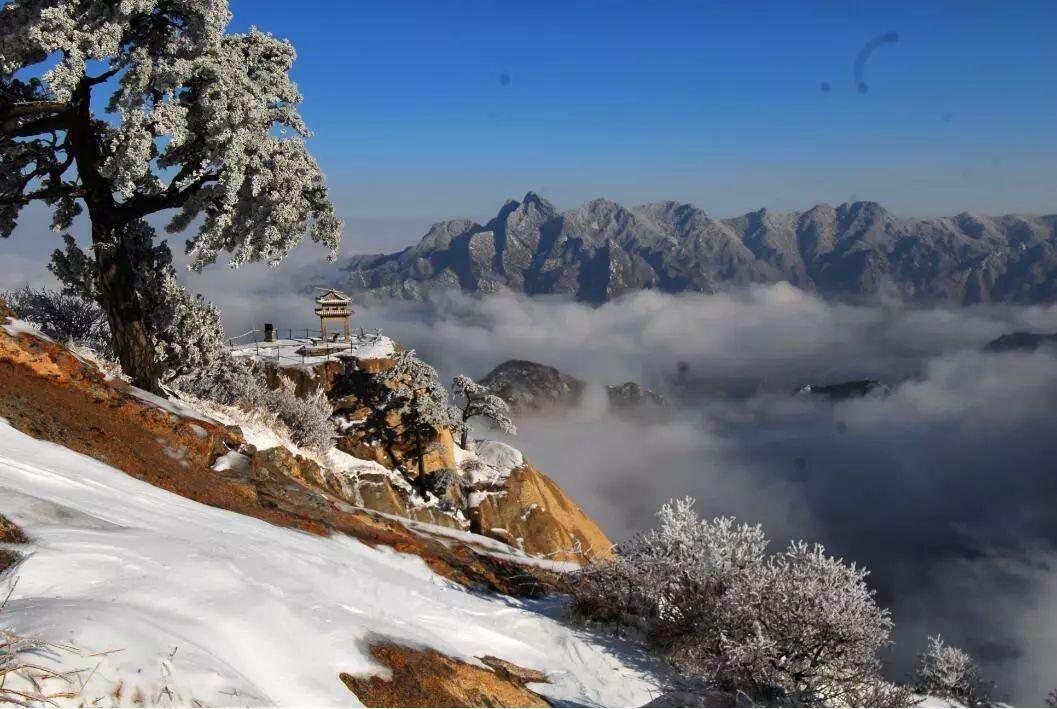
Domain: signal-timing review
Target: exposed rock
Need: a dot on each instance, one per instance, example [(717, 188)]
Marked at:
[(517, 673), (537, 517), (426, 678), (283, 462), (532, 513), (532, 387), (375, 433), (48, 393), (8, 559), (310, 377), (51, 394), (602, 250), (845, 390), (10, 534), (364, 489), (631, 395), (306, 379), (1022, 341), (529, 386), (376, 491)]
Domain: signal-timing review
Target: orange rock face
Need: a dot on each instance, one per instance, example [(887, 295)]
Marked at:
[(533, 513), (426, 678)]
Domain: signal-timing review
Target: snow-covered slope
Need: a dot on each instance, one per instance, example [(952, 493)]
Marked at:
[(201, 604)]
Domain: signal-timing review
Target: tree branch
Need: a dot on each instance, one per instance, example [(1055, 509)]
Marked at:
[(142, 205), (93, 80), (33, 107), (47, 193), (12, 128)]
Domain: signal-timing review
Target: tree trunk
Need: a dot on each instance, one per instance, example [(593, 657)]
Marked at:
[(465, 425), (124, 307), (421, 453)]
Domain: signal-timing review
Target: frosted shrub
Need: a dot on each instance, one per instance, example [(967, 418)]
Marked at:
[(228, 381), (231, 382), (950, 673), (65, 317), (308, 418), (799, 626), (806, 623)]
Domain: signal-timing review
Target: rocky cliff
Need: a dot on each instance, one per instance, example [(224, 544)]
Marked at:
[(488, 490), (602, 250), (53, 394)]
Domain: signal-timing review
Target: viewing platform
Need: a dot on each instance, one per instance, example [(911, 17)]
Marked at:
[(309, 347)]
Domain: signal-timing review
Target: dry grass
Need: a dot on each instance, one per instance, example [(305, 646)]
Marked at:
[(25, 678)]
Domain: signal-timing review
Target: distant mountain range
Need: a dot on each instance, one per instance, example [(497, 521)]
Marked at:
[(602, 250)]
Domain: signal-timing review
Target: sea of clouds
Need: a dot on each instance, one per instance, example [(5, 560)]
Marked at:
[(945, 487)]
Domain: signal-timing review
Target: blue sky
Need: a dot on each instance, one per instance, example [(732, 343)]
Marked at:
[(438, 109), (429, 110)]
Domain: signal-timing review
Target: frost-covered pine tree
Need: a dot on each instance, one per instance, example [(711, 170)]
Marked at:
[(479, 400), (950, 673), (200, 123), (186, 332), (421, 399), (190, 334)]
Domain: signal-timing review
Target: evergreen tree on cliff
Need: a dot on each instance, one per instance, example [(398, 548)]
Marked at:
[(198, 122), (419, 396), (478, 400)]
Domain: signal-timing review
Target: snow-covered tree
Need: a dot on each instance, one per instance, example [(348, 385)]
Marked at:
[(478, 400), (190, 334), (186, 332), (419, 397), (799, 626), (66, 317), (950, 673), (199, 122)]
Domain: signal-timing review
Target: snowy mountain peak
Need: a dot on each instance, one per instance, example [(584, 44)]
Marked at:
[(601, 250)]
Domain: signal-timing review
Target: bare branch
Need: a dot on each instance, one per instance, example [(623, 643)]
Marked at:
[(105, 76), (143, 204), (32, 108)]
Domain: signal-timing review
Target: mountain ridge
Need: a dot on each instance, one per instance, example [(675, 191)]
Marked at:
[(602, 250)]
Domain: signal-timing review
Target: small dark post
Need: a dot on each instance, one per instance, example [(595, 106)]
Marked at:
[(269, 332)]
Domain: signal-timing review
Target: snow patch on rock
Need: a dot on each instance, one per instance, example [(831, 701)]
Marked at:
[(499, 456), (16, 327)]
